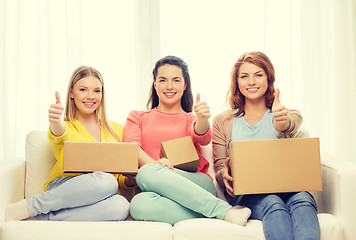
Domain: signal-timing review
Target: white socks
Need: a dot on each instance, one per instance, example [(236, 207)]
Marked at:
[(17, 211), (238, 215)]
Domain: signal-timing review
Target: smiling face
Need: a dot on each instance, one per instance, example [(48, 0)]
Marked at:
[(252, 82), (87, 95), (170, 86)]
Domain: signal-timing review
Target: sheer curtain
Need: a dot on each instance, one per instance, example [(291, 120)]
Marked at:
[(328, 74), (311, 44), (43, 41)]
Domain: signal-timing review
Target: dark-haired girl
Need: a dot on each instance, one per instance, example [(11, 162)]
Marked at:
[(168, 194)]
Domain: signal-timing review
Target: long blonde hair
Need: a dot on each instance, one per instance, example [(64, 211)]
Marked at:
[(71, 110)]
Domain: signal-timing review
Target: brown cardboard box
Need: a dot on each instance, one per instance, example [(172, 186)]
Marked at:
[(112, 157), (278, 165), (182, 153)]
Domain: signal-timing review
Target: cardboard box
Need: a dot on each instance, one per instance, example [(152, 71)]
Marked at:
[(278, 165), (182, 153), (112, 157)]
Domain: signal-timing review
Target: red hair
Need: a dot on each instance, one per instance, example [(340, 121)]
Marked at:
[(235, 98)]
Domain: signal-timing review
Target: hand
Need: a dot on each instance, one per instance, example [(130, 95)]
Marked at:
[(201, 109), (227, 178), (280, 116), (130, 180), (56, 124), (55, 111), (165, 162)]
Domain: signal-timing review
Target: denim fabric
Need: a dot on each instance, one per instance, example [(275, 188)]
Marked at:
[(284, 215), (174, 195), (87, 197)]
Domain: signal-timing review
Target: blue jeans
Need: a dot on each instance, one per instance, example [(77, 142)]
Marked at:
[(284, 215), (175, 195), (87, 197)]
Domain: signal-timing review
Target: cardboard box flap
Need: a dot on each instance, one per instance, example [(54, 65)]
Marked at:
[(182, 153), (112, 157), (278, 165)]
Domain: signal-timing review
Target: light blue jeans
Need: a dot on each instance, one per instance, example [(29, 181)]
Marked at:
[(284, 215), (174, 195), (87, 197)]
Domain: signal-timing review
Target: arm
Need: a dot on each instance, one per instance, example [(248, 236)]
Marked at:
[(143, 158), (295, 119), (220, 155), (219, 149)]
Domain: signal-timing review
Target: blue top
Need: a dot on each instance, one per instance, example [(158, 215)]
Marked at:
[(264, 129)]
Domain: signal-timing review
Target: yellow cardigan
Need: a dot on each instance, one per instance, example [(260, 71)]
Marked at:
[(77, 132)]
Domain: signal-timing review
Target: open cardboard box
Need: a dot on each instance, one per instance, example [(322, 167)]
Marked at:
[(112, 157), (182, 153), (277, 165)]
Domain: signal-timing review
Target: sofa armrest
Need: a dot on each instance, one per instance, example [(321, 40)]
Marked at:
[(339, 196), (12, 184)]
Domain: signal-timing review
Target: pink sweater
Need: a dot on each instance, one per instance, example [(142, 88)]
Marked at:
[(150, 128)]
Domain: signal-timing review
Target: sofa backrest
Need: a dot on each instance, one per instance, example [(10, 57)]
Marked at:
[(39, 162)]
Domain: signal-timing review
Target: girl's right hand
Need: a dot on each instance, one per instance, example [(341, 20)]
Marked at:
[(165, 162), (55, 111), (227, 178)]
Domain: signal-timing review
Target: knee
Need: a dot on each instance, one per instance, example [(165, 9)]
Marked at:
[(120, 208), (147, 176), (301, 199), (105, 183), (274, 203), (138, 206)]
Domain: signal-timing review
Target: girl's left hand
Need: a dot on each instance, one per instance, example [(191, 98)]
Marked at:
[(165, 162), (201, 109), (280, 114), (130, 180)]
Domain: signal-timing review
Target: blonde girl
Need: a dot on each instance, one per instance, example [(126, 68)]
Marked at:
[(75, 196)]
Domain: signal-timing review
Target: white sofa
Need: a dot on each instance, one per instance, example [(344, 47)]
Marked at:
[(23, 179)]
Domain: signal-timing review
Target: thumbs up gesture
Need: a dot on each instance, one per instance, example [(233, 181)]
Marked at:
[(56, 110), (202, 111), (54, 115), (280, 116)]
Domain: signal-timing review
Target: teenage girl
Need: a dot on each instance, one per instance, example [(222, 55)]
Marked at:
[(75, 196), (257, 113), (169, 194)]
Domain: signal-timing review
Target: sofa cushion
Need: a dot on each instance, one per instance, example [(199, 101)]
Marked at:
[(44, 230), (212, 229), (39, 162)]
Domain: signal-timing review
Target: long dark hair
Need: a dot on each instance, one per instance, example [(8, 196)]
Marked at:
[(187, 98)]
